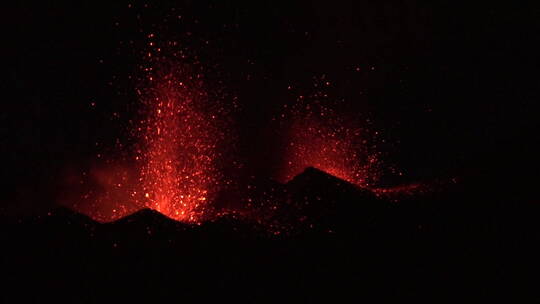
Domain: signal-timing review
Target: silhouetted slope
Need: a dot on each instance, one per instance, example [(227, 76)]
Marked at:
[(340, 242), (330, 203)]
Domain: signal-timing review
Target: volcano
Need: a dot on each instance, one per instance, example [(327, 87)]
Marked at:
[(343, 241)]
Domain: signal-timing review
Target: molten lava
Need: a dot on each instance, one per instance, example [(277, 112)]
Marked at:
[(180, 144), (316, 134), (179, 147), (311, 143), (175, 165)]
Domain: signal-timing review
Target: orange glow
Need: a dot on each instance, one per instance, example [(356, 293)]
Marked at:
[(333, 150), (173, 168), (178, 146), (316, 132), (106, 192)]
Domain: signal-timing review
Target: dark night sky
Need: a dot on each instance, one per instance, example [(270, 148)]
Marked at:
[(455, 88)]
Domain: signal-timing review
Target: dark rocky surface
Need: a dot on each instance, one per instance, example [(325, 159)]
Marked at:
[(434, 248)]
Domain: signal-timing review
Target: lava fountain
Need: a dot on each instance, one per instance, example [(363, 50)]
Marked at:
[(333, 149), (179, 145), (180, 140), (316, 133)]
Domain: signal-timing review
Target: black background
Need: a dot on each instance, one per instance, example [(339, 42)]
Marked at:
[(453, 91)]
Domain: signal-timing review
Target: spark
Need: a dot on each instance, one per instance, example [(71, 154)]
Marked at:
[(316, 134)]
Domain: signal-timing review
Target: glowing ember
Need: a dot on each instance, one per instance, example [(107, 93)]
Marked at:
[(179, 146), (175, 165), (316, 136)]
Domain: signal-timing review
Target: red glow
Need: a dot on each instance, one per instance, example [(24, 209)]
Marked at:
[(173, 167), (179, 146), (316, 133), (334, 150), (395, 194), (106, 192), (182, 141)]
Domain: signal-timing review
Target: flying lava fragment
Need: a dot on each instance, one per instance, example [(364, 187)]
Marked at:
[(179, 145), (180, 142), (175, 166), (316, 134)]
